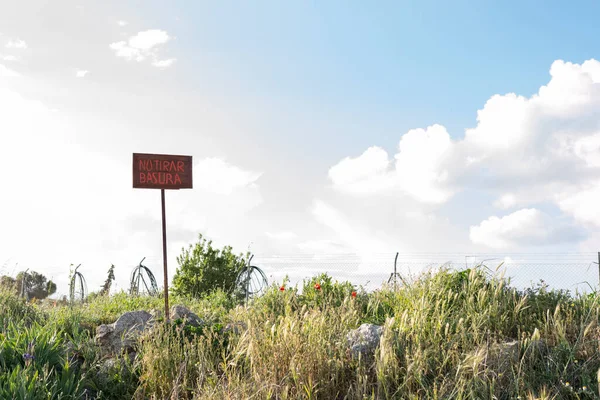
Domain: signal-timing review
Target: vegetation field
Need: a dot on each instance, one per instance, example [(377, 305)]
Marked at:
[(446, 335)]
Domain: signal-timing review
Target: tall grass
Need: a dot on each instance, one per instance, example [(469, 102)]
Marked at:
[(447, 335)]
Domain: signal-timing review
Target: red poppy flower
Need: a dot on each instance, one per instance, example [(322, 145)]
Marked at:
[(317, 286), (353, 294), (282, 288)]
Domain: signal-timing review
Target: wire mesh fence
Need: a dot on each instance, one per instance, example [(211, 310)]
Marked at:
[(568, 271)]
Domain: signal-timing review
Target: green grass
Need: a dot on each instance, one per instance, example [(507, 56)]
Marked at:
[(447, 335)]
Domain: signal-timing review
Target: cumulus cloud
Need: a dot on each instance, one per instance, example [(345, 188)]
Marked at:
[(10, 58), (81, 73), (583, 204), (143, 46), (419, 164), (16, 44), (523, 151), (417, 170), (524, 227), (366, 173), (122, 23)]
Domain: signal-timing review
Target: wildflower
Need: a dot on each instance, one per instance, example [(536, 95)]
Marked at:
[(353, 294), (281, 288), (28, 359), (584, 388), (317, 286)]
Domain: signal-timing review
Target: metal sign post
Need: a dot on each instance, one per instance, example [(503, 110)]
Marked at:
[(164, 240), (162, 171)]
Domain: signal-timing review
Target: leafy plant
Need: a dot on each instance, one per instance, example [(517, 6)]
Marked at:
[(204, 269)]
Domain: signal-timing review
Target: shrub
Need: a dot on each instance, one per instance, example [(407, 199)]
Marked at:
[(322, 290), (204, 269)]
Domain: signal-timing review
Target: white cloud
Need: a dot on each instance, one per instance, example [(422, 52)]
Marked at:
[(146, 40), (10, 58), (81, 73), (122, 23), (16, 44), (583, 204), (494, 131), (588, 149), (123, 50), (417, 170), (217, 176), (367, 173), (508, 200), (163, 63), (142, 46), (524, 227), (523, 151), (419, 161)]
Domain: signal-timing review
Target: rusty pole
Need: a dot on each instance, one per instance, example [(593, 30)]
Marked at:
[(164, 238)]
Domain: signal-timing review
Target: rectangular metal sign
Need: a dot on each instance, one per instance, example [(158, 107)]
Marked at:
[(162, 171)]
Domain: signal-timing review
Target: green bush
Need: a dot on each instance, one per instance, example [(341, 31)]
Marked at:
[(204, 269), (322, 290), (14, 308)]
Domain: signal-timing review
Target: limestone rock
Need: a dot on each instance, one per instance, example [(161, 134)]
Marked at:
[(364, 340), (189, 318), (122, 334)]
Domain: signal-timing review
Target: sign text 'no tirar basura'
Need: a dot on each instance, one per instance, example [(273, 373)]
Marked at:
[(162, 171)]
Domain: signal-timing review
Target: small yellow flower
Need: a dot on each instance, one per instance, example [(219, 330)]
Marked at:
[(584, 388), (567, 384)]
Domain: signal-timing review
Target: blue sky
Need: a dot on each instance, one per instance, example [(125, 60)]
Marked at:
[(372, 71), (312, 125), (410, 63)]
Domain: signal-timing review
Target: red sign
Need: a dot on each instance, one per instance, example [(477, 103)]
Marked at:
[(162, 171)]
